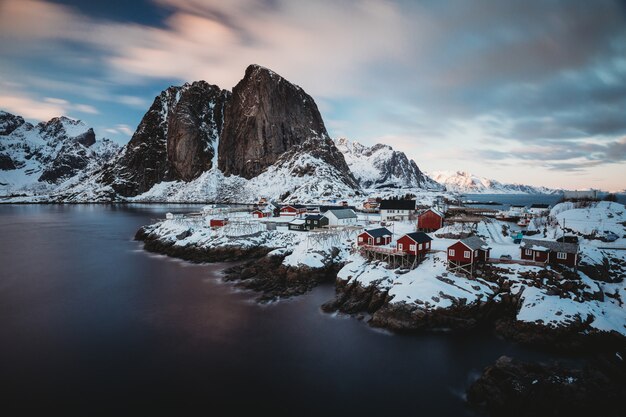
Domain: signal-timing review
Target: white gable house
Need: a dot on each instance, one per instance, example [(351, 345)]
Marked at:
[(344, 217)]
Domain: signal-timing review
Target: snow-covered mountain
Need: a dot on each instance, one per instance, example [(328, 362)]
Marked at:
[(380, 167), (36, 159), (466, 183), (200, 143)]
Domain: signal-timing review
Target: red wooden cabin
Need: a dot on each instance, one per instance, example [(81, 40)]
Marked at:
[(416, 243), (429, 220), (468, 251), (292, 210), (549, 251), (375, 237)]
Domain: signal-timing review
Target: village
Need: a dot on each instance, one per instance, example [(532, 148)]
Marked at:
[(565, 263), (402, 234)]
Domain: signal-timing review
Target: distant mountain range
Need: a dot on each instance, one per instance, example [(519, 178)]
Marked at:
[(198, 142), (40, 158), (466, 183)]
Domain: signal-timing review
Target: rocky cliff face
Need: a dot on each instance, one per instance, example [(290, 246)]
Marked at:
[(381, 167), (37, 157), (176, 139), (266, 117)]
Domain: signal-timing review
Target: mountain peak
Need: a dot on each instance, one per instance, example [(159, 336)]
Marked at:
[(266, 116)]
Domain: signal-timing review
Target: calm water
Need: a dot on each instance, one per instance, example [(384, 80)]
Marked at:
[(507, 200), (89, 321)]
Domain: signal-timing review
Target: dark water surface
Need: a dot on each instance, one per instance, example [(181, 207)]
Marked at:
[(506, 200), (90, 322)]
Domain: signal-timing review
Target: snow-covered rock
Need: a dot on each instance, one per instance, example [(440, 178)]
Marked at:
[(380, 167), (35, 159)]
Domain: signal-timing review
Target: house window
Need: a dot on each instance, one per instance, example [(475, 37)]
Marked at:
[(420, 246), (399, 246), (476, 252), (451, 252), (377, 240), (412, 248), (315, 221), (466, 254), (360, 239), (529, 252), (561, 255), (427, 245)]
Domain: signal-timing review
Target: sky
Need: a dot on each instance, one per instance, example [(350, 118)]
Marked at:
[(529, 92)]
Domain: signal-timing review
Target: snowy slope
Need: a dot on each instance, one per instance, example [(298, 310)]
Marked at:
[(380, 167), (35, 159), (467, 183)]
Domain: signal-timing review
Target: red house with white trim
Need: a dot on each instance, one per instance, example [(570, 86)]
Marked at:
[(429, 220), (416, 243), (375, 237), (549, 251), (468, 251)]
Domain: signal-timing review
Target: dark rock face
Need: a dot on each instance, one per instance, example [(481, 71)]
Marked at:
[(6, 163), (193, 130), (72, 158), (9, 122), (266, 117), (511, 388), (174, 141), (86, 139)]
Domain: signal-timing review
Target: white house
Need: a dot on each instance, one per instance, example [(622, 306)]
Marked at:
[(396, 209), (343, 217)]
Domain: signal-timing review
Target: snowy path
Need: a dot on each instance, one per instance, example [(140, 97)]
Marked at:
[(494, 233)]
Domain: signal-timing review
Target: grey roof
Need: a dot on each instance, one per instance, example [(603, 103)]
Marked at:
[(474, 242), (419, 237), (540, 206), (342, 214), (550, 245), (380, 232)]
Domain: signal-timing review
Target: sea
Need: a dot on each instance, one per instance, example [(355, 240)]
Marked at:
[(91, 324)]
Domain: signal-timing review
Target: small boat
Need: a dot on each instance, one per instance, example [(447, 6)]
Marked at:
[(523, 222)]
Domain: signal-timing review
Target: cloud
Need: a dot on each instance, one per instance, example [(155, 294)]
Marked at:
[(563, 155), (120, 129), (32, 108)]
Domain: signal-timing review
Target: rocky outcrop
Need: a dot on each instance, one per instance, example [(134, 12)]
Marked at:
[(274, 281), (175, 140), (9, 122), (266, 117), (512, 388), (6, 163)]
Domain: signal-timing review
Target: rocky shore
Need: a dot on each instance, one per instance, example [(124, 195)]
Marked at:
[(520, 389), (262, 271)]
